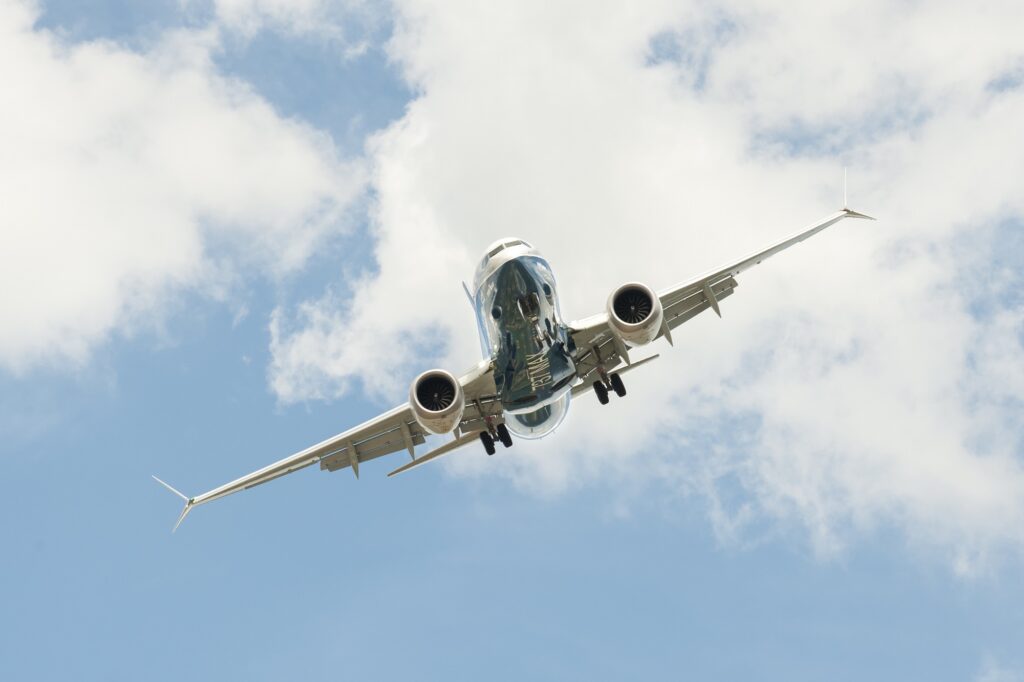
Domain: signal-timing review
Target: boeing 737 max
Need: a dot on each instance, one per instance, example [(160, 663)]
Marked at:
[(534, 363)]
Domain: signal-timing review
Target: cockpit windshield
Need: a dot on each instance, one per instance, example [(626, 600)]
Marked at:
[(495, 249), (498, 248)]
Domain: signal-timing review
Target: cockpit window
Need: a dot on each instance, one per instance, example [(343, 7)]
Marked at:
[(504, 245)]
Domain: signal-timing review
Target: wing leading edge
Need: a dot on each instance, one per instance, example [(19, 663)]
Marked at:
[(390, 432), (682, 290), (600, 348)]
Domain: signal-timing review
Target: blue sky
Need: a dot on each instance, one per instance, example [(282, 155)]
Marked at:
[(564, 565)]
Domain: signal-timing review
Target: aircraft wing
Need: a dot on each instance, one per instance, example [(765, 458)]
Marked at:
[(395, 430), (597, 345)]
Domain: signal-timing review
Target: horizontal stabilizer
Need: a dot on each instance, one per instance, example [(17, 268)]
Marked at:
[(581, 388), (437, 452)]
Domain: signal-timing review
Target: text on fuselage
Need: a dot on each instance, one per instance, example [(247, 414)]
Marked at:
[(538, 367)]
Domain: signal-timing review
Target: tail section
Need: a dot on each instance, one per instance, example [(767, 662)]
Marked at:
[(188, 502)]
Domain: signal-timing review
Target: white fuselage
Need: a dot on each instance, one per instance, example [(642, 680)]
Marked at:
[(521, 331)]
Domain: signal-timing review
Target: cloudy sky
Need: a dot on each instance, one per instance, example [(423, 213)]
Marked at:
[(231, 228)]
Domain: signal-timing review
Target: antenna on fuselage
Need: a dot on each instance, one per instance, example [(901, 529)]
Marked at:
[(472, 303)]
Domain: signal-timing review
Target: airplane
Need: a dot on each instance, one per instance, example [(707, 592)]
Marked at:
[(533, 363)]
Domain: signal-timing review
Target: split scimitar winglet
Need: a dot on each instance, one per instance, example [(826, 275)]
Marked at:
[(851, 213), (188, 501)]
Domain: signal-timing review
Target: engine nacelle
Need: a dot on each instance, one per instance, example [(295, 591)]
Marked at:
[(635, 313), (437, 401)]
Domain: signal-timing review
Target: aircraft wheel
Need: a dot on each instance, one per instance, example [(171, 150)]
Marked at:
[(602, 392), (504, 436), (617, 385), (488, 442)]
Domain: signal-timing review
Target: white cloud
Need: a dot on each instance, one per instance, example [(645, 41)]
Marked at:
[(849, 386), (121, 169), (333, 18), (992, 671)]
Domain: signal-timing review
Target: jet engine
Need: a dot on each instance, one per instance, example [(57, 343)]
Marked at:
[(437, 401), (635, 313)]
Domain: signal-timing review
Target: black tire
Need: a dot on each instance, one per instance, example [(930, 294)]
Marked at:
[(504, 436), (488, 442), (602, 392), (617, 385)]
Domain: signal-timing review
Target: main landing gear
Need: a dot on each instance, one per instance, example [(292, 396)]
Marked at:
[(488, 442), (614, 383), (502, 435), (617, 385)]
